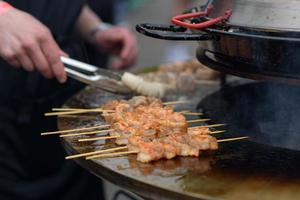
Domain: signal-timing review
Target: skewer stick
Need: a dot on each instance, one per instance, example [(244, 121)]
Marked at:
[(112, 154), (75, 109), (184, 111), (77, 112), (88, 109), (208, 126), (96, 109), (67, 109), (217, 132), (135, 152), (98, 138), (74, 130), (107, 114), (83, 117), (193, 113), (175, 102), (71, 112), (96, 152), (198, 120), (210, 82), (86, 133), (232, 139)]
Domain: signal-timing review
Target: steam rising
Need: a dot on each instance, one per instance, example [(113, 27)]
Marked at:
[(268, 112)]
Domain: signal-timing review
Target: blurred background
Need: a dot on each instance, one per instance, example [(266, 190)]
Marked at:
[(154, 51), (131, 12)]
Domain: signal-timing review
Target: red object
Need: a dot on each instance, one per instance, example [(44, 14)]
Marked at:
[(178, 20), (4, 6)]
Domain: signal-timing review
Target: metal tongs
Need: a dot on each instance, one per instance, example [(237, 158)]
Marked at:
[(92, 75)]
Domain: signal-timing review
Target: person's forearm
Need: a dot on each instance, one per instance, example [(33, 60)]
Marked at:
[(86, 23)]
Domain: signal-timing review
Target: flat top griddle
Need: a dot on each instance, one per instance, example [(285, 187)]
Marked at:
[(239, 170)]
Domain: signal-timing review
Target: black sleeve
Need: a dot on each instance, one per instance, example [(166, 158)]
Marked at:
[(58, 15)]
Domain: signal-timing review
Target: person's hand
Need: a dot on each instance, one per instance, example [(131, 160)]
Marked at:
[(120, 42), (25, 42)]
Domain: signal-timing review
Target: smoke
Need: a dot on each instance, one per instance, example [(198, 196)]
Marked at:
[(279, 119), (267, 112)]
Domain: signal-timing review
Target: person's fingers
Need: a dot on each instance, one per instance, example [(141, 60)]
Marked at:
[(62, 53), (128, 45), (118, 64), (38, 58), (128, 61), (129, 51), (11, 58), (122, 64), (10, 53), (133, 56), (122, 44), (14, 62), (52, 53), (26, 62)]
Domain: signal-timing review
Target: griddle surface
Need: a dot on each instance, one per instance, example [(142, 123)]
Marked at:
[(239, 170)]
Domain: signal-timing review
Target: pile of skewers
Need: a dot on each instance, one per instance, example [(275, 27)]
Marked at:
[(145, 126)]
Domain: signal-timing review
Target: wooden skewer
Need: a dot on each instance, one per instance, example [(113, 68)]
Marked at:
[(114, 137), (193, 113), (107, 114), (71, 112), (184, 111), (98, 138), (233, 139), (77, 112), (217, 132), (187, 112), (135, 152), (80, 116), (96, 152), (198, 120), (111, 154), (210, 82), (109, 137), (86, 133), (74, 130), (67, 109), (81, 109), (74, 109), (175, 102), (110, 130), (208, 126)]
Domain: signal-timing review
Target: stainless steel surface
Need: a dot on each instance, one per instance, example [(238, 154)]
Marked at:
[(260, 40), (92, 75), (259, 72), (266, 14)]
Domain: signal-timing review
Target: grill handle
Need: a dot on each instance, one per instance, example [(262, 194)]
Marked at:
[(170, 32), (179, 20)]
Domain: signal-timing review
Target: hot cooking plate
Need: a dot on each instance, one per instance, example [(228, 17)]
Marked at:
[(267, 112), (238, 170)]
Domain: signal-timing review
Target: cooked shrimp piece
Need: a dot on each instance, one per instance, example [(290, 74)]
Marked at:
[(149, 151), (169, 151), (155, 131), (202, 142), (199, 131)]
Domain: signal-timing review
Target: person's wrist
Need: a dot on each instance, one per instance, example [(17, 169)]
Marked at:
[(4, 7), (98, 29)]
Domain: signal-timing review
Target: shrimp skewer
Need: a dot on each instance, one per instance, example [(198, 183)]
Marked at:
[(154, 131), (191, 144)]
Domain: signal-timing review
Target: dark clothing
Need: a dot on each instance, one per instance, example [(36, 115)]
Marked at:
[(33, 167), (104, 9)]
